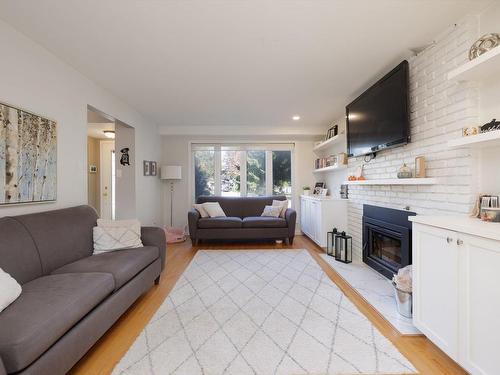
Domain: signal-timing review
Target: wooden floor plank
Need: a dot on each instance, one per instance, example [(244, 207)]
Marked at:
[(108, 351)]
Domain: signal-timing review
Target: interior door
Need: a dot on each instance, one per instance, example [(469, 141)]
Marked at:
[(107, 150), (435, 280)]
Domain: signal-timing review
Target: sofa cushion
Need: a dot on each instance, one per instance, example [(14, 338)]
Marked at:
[(19, 256), (122, 264), (61, 236), (219, 222), (241, 206), (46, 309), (264, 222)]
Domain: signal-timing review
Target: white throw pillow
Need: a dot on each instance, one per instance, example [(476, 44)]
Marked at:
[(283, 205), (273, 211), (213, 209), (200, 209), (112, 235), (9, 289)]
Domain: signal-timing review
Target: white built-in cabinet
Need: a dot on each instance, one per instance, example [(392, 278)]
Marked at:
[(456, 291), (319, 215)]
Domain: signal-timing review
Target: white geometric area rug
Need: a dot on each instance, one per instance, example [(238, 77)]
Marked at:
[(239, 312)]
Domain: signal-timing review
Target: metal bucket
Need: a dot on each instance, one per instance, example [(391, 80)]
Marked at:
[(404, 302)]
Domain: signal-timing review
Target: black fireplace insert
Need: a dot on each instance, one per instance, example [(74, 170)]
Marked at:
[(386, 239)]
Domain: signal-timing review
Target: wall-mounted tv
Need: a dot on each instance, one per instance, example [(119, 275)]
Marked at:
[(379, 119)]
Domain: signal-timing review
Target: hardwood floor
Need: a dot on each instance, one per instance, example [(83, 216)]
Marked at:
[(102, 358)]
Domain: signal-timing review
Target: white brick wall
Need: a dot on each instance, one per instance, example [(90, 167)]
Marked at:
[(439, 109)]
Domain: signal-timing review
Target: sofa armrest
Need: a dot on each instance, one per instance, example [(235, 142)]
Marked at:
[(154, 236), (193, 217), (291, 219), (2, 368)]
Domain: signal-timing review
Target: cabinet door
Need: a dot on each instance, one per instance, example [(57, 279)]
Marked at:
[(435, 282), (315, 221), (303, 215), (479, 310), (306, 228)]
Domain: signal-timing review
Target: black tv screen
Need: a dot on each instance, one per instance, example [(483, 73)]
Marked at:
[(378, 118)]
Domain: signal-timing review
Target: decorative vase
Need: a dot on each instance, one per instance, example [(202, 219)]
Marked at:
[(404, 171)]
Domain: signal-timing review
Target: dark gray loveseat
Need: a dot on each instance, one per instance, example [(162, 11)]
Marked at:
[(242, 221), (70, 297)]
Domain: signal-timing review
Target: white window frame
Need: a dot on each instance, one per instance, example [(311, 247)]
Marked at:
[(269, 147)]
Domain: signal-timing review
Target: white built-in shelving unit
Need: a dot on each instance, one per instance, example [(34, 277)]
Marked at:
[(489, 139), (331, 146), (483, 68), (395, 181)]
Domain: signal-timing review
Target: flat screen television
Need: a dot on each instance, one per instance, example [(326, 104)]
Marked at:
[(378, 119)]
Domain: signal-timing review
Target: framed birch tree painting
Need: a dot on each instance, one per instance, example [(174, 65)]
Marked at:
[(28, 157)]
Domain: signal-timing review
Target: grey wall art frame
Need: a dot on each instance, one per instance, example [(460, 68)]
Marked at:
[(28, 157)]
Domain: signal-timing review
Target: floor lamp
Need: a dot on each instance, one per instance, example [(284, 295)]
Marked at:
[(172, 173)]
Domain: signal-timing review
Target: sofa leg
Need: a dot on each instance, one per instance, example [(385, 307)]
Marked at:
[(157, 280), (287, 241), (195, 242), (290, 241)]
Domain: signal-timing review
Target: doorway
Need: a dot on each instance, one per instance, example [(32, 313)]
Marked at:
[(111, 166), (101, 174)]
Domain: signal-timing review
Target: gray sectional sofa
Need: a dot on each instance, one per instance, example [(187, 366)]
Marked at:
[(70, 297), (243, 220)]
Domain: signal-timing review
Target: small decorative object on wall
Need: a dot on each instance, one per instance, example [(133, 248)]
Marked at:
[(404, 171), (490, 126), (343, 248), (147, 168), (484, 44), (92, 168), (153, 168), (125, 158), (420, 167), (28, 157), (306, 190), (330, 242)]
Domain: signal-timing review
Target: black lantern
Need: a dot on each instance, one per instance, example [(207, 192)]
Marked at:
[(330, 242), (343, 248)]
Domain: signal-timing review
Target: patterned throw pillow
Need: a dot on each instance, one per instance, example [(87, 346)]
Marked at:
[(9, 289), (273, 211), (214, 209), (200, 209), (283, 205), (112, 235)]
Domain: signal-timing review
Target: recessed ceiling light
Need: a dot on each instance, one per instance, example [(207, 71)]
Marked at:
[(109, 134), (296, 118)]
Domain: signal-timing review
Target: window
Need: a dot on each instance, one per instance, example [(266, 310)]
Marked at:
[(242, 169)]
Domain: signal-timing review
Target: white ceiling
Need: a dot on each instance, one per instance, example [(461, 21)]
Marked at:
[(96, 130), (230, 64)]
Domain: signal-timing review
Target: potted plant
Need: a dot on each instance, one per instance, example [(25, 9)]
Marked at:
[(306, 190)]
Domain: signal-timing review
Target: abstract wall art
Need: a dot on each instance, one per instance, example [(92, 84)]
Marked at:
[(28, 157)]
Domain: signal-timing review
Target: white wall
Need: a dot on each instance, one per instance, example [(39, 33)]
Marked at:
[(34, 79), (175, 150)]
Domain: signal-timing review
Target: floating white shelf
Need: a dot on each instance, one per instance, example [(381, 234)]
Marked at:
[(328, 143), (330, 169), (489, 139), (483, 68), (395, 181)]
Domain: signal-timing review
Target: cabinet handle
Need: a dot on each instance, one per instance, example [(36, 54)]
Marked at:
[(449, 239), (459, 242)]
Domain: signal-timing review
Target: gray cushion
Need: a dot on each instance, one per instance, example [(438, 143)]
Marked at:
[(264, 222), (219, 222), (47, 308), (61, 236), (18, 254), (122, 264), (242, 206)]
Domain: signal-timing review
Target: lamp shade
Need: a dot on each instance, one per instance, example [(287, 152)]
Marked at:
[(171, 172)]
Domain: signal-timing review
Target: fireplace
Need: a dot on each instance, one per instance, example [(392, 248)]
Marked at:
[(386, 239)]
